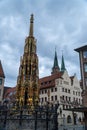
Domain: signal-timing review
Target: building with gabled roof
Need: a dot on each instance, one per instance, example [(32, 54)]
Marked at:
[(83, 69), (61, 88), (1, 70), (2, 80), (10, 96)]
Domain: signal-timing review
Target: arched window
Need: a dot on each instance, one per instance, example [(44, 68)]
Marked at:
[(69, 120)]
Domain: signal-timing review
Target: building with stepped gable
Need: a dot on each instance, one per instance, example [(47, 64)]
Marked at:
[(61, 88)]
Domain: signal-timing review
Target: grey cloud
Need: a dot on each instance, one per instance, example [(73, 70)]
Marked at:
[(57, 23)]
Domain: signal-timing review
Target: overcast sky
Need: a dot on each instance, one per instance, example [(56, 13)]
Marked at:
[(57, 23)]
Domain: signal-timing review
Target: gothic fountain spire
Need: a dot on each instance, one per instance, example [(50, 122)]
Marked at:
[(31, 26), (28, 78)]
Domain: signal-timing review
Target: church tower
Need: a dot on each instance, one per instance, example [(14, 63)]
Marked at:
[(55, 68), (63, 64), (28, 78)]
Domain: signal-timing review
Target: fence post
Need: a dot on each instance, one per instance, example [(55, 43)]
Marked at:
[(47, 117), (20, 120), (56, 117), (5, 120), (35, 119)]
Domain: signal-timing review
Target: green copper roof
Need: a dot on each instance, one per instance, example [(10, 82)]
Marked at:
[(63, 64), (55, 61)]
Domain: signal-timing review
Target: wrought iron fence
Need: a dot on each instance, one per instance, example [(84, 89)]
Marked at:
[(40, 118), (72, 127), (64, 125)]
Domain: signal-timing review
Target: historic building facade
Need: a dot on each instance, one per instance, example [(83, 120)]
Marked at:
[(2, 80), (27, 82), (60, 88), (83, 68)]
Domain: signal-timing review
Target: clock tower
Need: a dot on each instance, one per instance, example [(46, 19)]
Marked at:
[(28, 79)]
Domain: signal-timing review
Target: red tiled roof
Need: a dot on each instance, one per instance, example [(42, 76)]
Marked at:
[(48, 85), (1, 71), (51, 77), (5, 90), (9, 91), (49, 81)]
